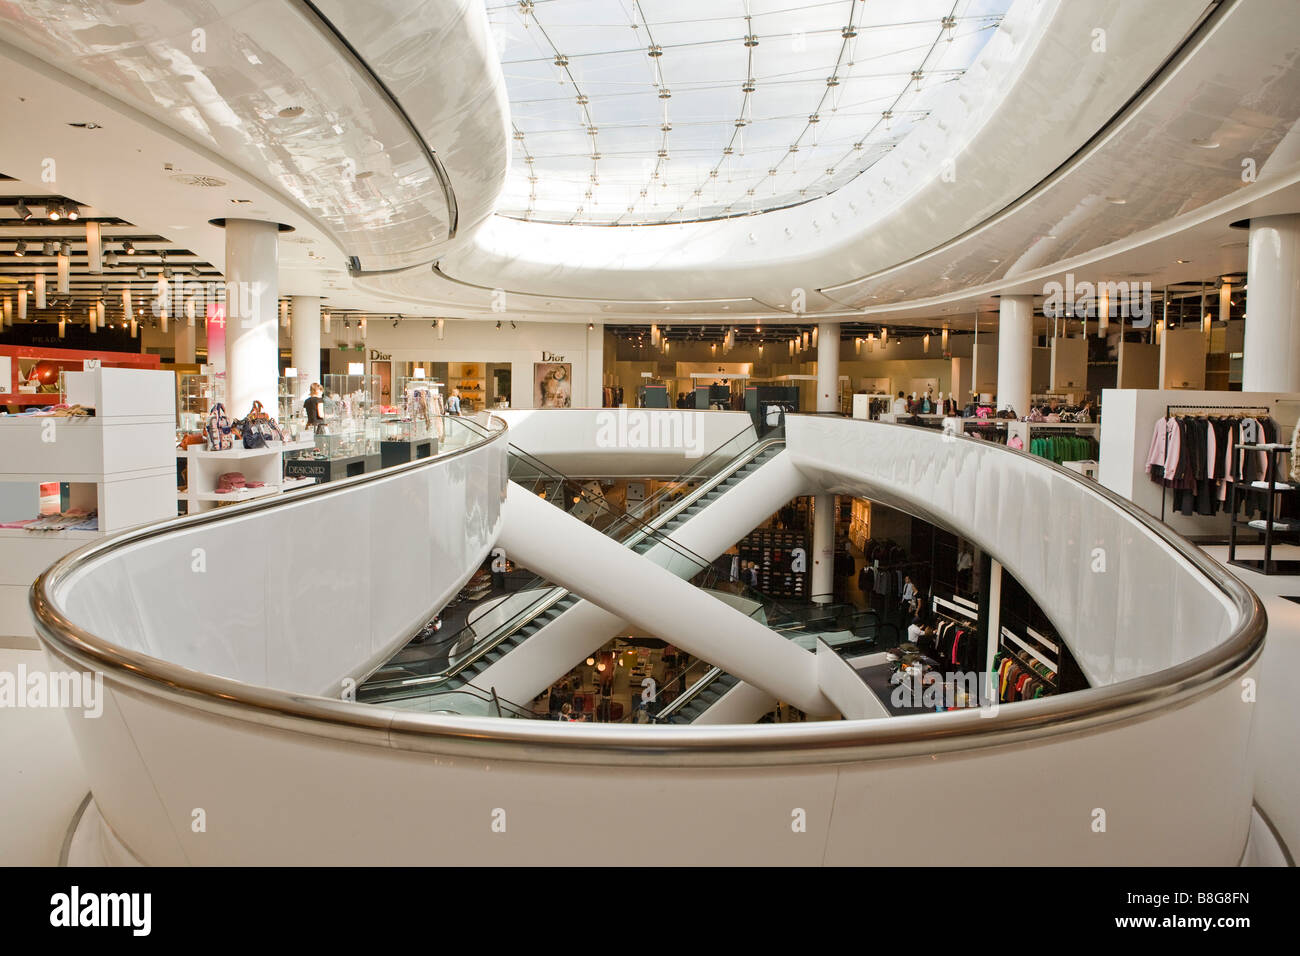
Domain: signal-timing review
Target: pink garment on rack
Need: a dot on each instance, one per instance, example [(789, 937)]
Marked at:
[(1166, 446)]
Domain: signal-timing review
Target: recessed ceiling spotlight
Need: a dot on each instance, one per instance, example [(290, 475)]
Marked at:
[(1205, 143), (85, 125), (1116, 200), (241, 202), (289, 112), (1182, 262), (54, 212)]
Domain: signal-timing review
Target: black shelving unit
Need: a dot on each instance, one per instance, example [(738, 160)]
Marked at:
[(1272, 527)]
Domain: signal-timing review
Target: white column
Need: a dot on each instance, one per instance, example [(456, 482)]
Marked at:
[(185, 339), (304, 322), (1015, 352), (252, 325), (823, 547), (828, 367), (1271, 362), (595, 368)]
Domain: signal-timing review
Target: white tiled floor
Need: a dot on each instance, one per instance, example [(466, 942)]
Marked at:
[(41, 780)]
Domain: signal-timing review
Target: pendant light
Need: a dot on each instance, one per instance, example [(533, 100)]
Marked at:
[(8, 312), (22, 305), (943, 341), (284, 314), (91, 319), (63, 264), (38, 285), (190, 312), (884, 336), (925, 343), (99, 313), (442, 325), (94, 247), (814, 336), (126, 301), (62, 326), (324, 322), (857, 345)]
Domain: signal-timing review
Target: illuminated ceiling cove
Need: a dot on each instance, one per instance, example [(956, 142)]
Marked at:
[(657, 111)]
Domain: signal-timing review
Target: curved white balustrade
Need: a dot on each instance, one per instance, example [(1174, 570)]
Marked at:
[(1151, 766)]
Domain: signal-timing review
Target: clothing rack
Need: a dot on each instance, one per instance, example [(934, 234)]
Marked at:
[(1207, 410), (1037, 655), (965, 613)]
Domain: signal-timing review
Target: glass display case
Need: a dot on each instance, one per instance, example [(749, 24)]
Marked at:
[(197, 393)]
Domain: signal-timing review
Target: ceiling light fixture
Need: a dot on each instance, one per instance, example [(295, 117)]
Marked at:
[(22, 211), (71, 212), (21, 248), (129, 248), (53, 213)]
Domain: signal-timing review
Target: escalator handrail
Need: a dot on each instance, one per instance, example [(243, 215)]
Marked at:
[(708, 484), (689, 694), (702, 464)]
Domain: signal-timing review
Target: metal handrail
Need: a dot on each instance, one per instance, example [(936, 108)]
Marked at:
[(689, 694), (605, 745)]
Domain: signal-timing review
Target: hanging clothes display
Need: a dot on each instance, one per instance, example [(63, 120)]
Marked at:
[(1197, 457)]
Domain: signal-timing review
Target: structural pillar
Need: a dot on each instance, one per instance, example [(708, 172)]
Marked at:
[(828, 367), (304, 322), (1271, 362), (185, 340), (1015, 352), (823, 569), (252, 325)]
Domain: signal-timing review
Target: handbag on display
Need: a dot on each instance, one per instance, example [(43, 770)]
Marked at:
[(218, 431)]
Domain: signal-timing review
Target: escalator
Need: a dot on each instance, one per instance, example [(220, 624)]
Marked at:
[(475, 651), (844, 626), (694, 504)]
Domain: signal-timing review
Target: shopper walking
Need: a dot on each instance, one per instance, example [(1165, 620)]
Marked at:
[(453, 403)]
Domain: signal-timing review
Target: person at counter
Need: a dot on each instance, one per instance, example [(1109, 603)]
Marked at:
[(312, 406)]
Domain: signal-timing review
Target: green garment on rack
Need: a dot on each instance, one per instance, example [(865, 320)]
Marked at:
[(1061, 448)]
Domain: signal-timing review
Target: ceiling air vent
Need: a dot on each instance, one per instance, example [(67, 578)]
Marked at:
[(189, 179)]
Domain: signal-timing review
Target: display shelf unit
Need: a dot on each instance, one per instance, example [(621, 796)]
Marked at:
[(204, 468), (118, 463), (1270, 525)]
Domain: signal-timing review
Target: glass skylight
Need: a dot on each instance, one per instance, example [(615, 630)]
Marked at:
[(656, 111)]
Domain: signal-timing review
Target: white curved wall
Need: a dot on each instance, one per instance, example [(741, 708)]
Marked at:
[(303, 594), (289, 778), (1124, 600)]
